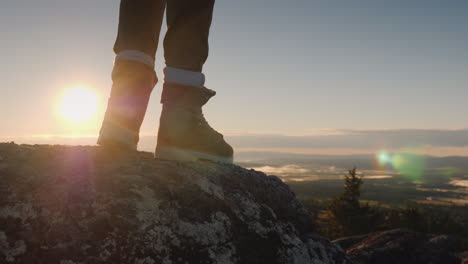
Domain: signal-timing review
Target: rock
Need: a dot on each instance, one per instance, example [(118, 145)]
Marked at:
[(77, 204), (399, 246)]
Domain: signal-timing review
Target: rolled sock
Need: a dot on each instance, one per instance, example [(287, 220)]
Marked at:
[(184, 77), (136, 55)]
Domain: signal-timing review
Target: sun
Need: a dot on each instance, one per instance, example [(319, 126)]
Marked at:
[(79, 104)]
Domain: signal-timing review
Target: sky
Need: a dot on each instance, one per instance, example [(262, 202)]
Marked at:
[(290, 68)]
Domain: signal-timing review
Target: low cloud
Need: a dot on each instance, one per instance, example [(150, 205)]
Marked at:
[(358, 139), (291, 169)]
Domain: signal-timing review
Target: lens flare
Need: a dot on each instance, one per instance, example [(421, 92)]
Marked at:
[(384, 158), (409, 165)]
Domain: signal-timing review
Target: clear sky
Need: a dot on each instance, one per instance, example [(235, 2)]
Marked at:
[(279, 67)]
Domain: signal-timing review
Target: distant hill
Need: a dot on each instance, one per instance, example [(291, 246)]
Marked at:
[(341, 161)]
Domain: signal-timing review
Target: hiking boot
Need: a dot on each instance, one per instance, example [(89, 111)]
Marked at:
[(126, 107), (184, 134)]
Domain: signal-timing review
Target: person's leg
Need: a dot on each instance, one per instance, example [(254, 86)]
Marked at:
[(133, 75), (183, 132), (186, 40), (139, 27)]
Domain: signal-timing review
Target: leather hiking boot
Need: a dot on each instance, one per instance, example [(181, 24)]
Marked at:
[(126, 107), (184, 134)]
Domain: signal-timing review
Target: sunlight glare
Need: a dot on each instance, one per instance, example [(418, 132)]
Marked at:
[(79, 104)]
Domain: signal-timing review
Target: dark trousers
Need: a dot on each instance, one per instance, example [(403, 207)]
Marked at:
[(186, 40)]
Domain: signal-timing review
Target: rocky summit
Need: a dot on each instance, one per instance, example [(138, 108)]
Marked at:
[(81, 204)]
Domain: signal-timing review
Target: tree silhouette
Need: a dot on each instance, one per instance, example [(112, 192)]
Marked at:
[(347, 215)]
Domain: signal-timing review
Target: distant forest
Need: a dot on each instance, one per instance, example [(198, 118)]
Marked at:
[(347, 214)]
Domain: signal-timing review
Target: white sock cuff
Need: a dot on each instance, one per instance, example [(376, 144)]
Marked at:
[(136, 55), (184, 77)]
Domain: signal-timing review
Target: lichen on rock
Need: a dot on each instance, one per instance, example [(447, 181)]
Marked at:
[(64, 204)]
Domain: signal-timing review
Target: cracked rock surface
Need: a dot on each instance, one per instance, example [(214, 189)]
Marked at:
[(77, 204)]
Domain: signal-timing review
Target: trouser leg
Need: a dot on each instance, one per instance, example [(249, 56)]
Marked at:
[(139, 26), (133, 75), (186, 41)]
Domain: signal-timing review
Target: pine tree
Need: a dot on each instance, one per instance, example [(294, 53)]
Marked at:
[(347, 215), (352, 189)]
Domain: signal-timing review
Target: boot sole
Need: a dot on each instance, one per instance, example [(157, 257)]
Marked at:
[(188, 155)]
